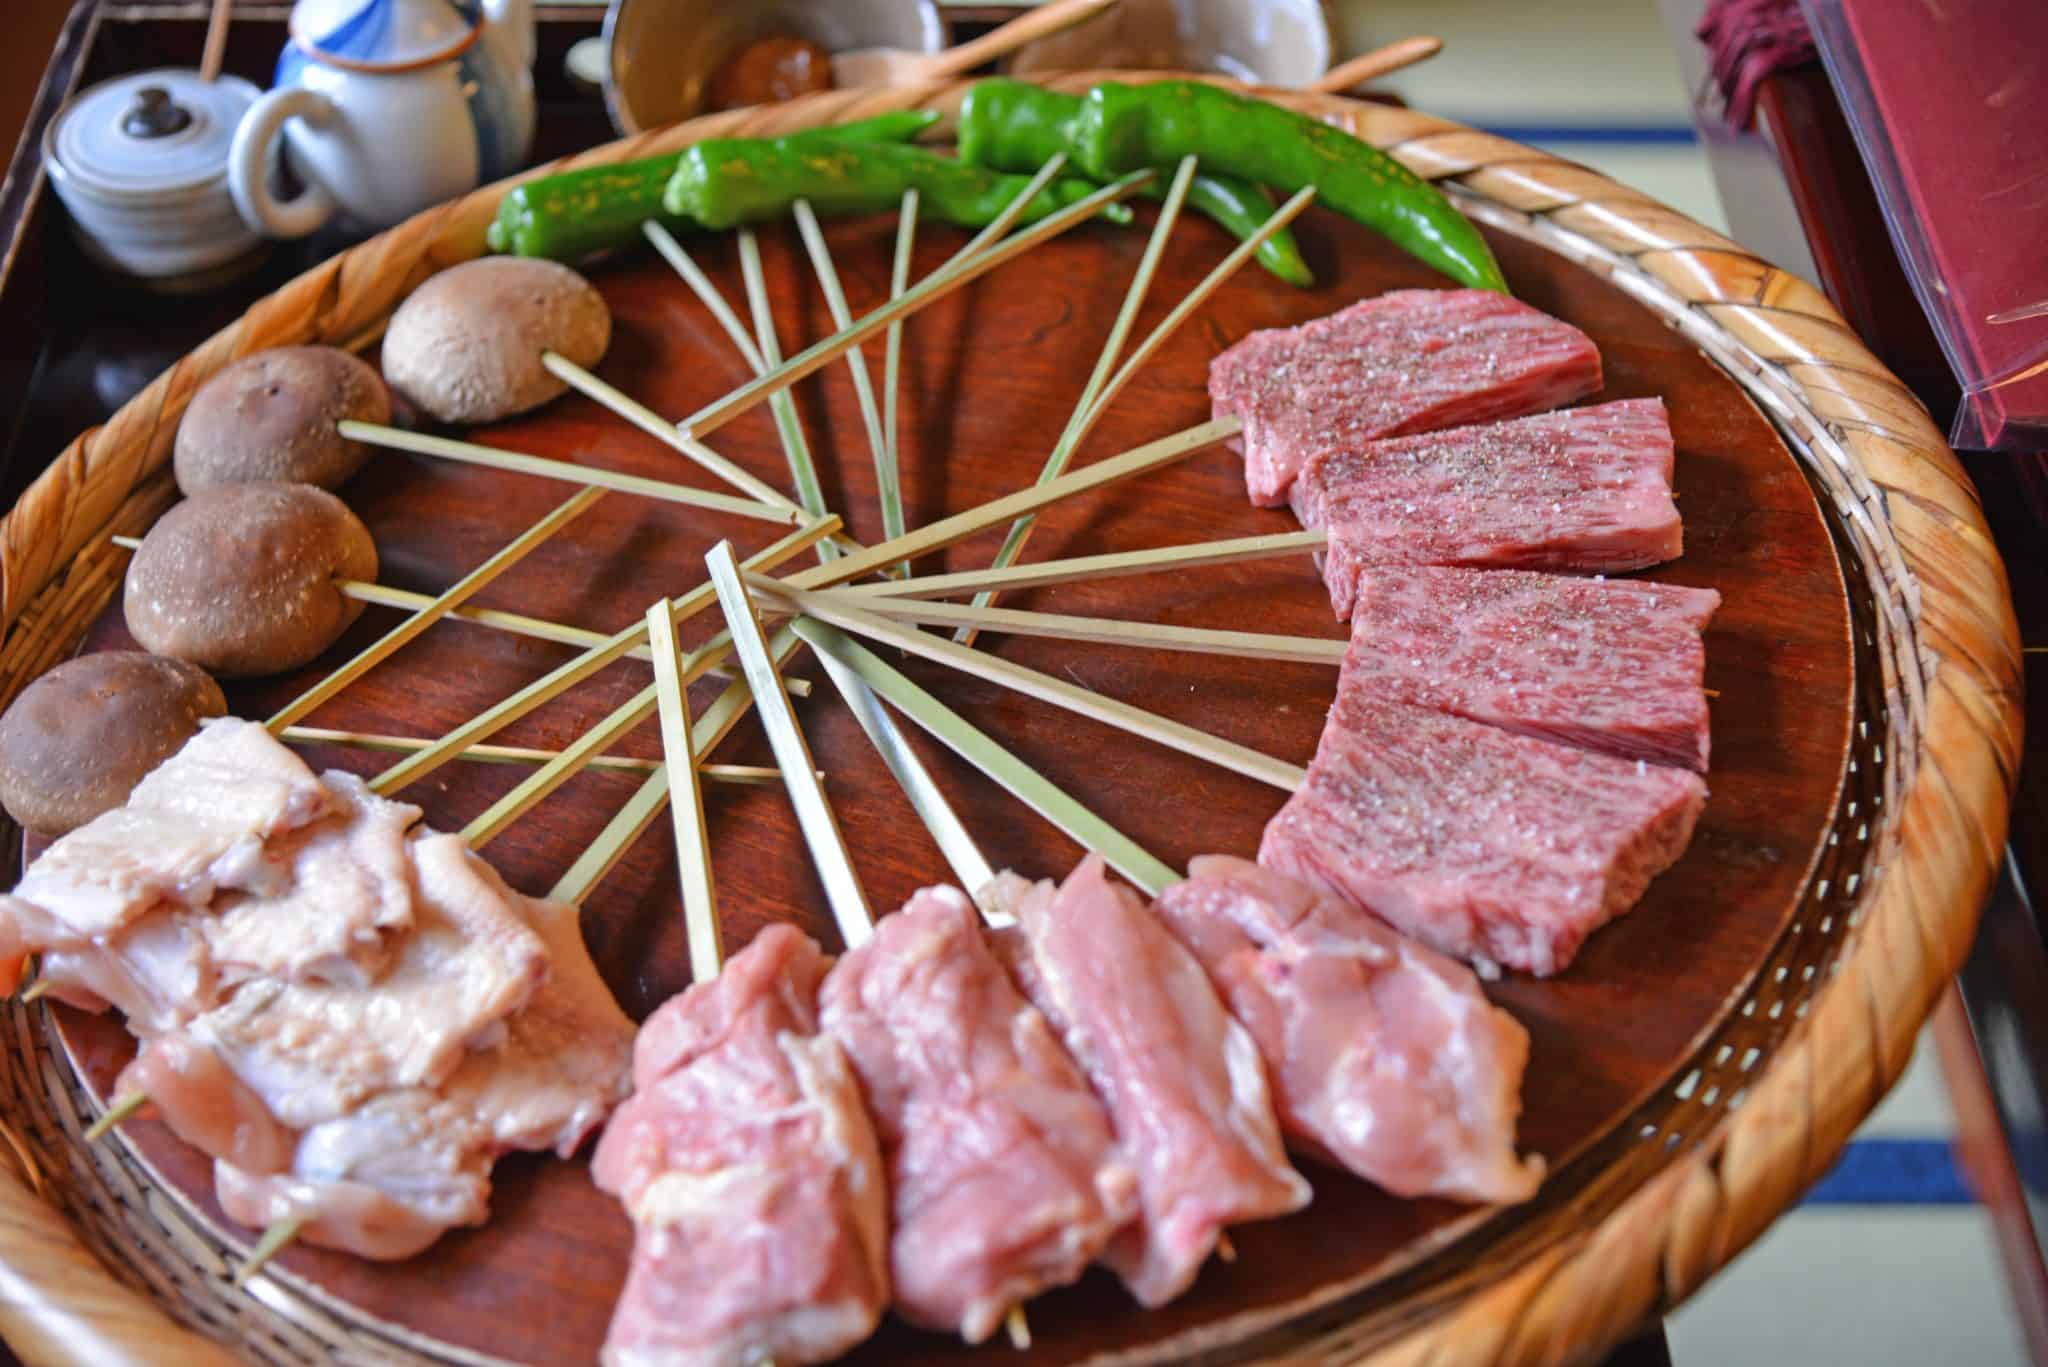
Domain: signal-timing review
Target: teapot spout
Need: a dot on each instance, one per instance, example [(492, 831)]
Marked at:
[(513, 21)]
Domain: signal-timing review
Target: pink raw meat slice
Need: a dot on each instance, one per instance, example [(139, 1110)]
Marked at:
[(1492, 847), (1385, 1056), (1409, 361), (1182, 1080), (1004, 1176), (1604, 664), (1587, 489)]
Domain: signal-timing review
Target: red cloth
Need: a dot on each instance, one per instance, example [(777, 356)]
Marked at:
[(1747, 40)]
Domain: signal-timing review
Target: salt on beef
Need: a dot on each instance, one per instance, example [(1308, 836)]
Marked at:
[(1585, 489), (1407, 361), (1605, 664), (1005, 1177), (1385, 1056), (752, 1175), (1492, 847), (1183, 1082)]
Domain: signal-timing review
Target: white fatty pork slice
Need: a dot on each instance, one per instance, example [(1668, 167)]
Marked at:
[(1183, 1081), (752, 1175), (197, 823), (1499, 849), (314, 1051), (1586, 489), (390, 1177), (1603, 664), (1005, 1177), (1385, 1056), (1408, 361)]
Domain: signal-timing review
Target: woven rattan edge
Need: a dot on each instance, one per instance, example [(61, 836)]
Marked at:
[(1950, 687)]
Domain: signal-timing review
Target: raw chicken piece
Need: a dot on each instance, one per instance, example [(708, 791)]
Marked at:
[(1004, 1176), (350, 885), (751, 1173), (1407, 361), (1603, 664), (1494, 848), (1586, 489), (314, 1051), (195, 824), (1183, 1082), (1385, 1056), (206, 1105)]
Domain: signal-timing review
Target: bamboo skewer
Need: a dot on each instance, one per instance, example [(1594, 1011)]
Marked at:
[(834, 608), (686, 798), (934, 287), (1039, 573), (618, 836), (837, 651), (1079, 422), (856, 362), (1109, 631), (469, 453), (765, 356), (750, 775), (470, 584), (572, 672), (890, 489), (273, 1241), (792, 754)]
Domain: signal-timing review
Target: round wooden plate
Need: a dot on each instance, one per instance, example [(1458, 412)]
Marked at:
[(1736, 936)]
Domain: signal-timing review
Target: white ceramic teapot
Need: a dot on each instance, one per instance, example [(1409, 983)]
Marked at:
[(387, 107)]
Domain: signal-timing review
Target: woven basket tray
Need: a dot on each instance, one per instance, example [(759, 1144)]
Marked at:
[(97, 1266)]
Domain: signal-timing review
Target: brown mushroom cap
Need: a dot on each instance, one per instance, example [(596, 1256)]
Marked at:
[(239, 579), (466, 346), (272, 416), (81, 737)]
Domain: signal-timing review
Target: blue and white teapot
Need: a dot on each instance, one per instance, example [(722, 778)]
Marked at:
[(387, 107)]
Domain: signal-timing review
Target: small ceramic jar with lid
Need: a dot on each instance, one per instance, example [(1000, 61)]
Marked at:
[(141, 162)]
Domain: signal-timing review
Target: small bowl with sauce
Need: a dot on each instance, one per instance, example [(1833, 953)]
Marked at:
[(1283, 43), (672, 59)]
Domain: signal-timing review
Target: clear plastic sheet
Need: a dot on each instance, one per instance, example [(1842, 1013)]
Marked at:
[(1949, 104)]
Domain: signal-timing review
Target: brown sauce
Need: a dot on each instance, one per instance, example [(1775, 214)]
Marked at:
[(778, 67)]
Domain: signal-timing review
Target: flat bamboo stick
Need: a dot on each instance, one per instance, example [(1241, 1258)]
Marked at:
[(1196, 297), (453, 597), (618, 836), (764, 356), (749, 775), (1108, 631), (792, 754), (280, 1233), (946, 531), (890, 487), (1079, 422), (932, 288), (1020, 780), (686, 799), (572, 672), (856, 362), (1118, 564), (835, 608), (469, 453)]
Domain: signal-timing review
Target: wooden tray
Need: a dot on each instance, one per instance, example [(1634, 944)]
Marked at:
[(1840, 670)]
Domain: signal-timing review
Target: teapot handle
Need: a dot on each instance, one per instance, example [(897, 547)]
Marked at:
[(249, 165)]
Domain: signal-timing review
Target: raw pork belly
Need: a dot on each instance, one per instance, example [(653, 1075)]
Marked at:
[(751, 1172), (1587, 489), (1489, 846), (1607, 664), (1005, 1178), (1409, 361), (1182, 1080), (1385, 1056)]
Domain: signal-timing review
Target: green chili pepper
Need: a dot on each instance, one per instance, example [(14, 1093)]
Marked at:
[(1126, 128), (723, 182), (1016, 126), (573, 214)]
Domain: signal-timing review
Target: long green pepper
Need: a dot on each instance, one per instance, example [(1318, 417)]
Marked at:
[(1125, 128), (723, 182), (568, 216), (1016, 126)]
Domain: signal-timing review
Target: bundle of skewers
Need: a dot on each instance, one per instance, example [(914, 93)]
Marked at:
[(1005, 1081)]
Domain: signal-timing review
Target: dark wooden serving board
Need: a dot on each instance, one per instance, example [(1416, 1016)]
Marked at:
[(989, 375)]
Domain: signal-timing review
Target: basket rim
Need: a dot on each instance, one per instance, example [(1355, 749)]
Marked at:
[(1951, 674)]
